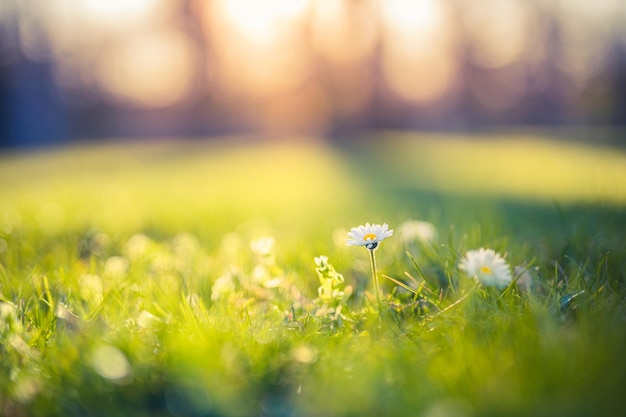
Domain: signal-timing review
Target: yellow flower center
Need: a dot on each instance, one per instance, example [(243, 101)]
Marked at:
[(369, 236), (485, 269)]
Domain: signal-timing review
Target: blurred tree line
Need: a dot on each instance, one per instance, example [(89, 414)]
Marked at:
[(98, 69)]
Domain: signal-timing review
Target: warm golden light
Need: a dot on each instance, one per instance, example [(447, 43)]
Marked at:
[(410, 16), (498, 42), (418, 77), (275, 61), (152, 70), (344, 35), (260, 21), (417, 61), (116, 13), (257, 45)]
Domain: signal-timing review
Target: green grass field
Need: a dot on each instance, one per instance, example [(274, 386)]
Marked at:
[(135, 281)]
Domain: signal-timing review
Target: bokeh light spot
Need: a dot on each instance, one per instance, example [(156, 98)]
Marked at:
[(154, 70), (110, 363)]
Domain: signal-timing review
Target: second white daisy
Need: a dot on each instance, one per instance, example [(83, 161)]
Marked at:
[(486, 266)]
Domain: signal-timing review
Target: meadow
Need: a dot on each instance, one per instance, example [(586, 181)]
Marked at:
[(195, 278)]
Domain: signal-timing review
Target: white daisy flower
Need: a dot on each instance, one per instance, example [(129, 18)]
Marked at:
[(487, 266), (369, 235)]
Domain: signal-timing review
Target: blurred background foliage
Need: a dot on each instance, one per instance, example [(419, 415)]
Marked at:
[(106, 68)]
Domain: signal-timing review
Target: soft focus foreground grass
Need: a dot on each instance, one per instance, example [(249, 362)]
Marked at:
[(109, 258)]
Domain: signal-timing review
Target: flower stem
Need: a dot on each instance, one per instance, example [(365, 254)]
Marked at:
[(375, 275)]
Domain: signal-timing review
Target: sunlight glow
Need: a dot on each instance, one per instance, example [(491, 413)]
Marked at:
[(498, 42), (263, 36), (154, 70), (259, 20), (412, 16), (333, 57), (118, 12), (344, 35), (417, 61)]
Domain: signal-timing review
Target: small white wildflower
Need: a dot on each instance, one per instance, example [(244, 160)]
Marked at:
[(487, 266), (321, 261), (369, 235), (416, 230)]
